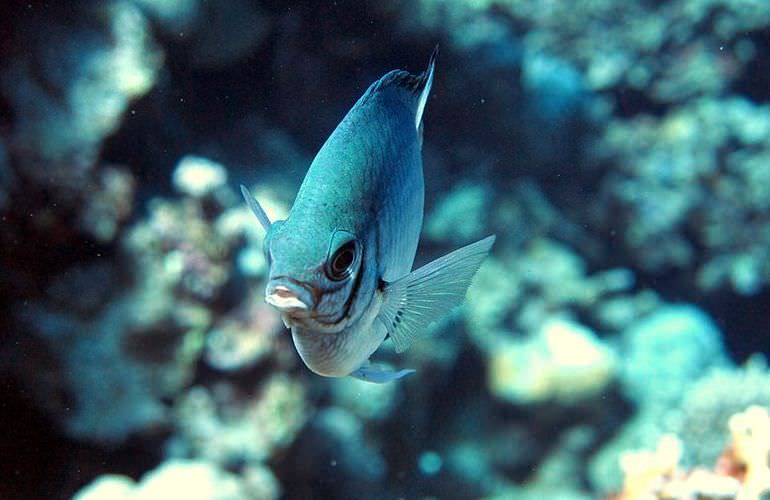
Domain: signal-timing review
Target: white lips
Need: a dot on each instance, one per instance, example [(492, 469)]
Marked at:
[(283, 298)]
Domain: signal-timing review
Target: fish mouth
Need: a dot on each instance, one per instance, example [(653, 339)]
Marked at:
[(289, 295)]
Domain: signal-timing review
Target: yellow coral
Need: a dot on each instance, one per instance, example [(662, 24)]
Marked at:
[(564, 361), (646, 471), (742, 474), (751, 445)]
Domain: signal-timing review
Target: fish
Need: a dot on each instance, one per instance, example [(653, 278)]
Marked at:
[(340, 264)]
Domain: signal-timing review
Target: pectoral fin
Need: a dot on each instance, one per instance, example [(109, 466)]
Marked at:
[(423, 296), (375, 375)]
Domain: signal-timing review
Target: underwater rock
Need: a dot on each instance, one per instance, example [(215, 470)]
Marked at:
[(564, 362)]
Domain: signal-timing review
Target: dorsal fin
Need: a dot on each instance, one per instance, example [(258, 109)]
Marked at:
[(419, 85), (427, 77)]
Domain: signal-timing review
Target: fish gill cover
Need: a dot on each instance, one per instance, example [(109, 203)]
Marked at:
[(612, 346)]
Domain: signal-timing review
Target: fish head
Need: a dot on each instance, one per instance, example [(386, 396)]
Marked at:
[(312, 279)]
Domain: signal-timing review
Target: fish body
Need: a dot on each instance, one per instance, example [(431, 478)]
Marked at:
[(340, 263)]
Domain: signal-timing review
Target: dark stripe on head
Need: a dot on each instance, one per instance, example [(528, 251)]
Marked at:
[(356, 284)]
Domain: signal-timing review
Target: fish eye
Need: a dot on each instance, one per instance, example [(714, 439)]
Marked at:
[(340, 266)]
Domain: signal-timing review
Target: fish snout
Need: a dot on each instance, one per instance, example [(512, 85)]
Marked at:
[(289, 296)]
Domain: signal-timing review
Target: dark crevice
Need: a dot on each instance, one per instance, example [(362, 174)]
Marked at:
[(630, 102), (754, 81), (743, 320), (40, 462)]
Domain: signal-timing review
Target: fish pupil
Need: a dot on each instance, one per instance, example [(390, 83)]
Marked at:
[(342, 260)]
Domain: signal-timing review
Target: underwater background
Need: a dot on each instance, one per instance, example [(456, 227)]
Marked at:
[(613, 345)]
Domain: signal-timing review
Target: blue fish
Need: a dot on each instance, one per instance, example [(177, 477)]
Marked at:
[(340, 265)]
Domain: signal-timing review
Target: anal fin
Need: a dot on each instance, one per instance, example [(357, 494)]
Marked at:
[(378, 376)]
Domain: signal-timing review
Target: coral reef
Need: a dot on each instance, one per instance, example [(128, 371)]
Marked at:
[(192, 479), (665, 354), (614, 47), (693, 180), (223, 427), (613, 344), (109, 372), (688, 340), (712, 400), (68, 101), (563, 361), (244, 337), (741, 473), (65, 103)]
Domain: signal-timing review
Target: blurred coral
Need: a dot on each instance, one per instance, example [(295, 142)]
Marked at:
[(741, 473), (693, 180), (563, 362), (226, 426), (194, 480), (103, 368), (619, 150), (619, 46), (665, 354), (709, 403), (242, 339)]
